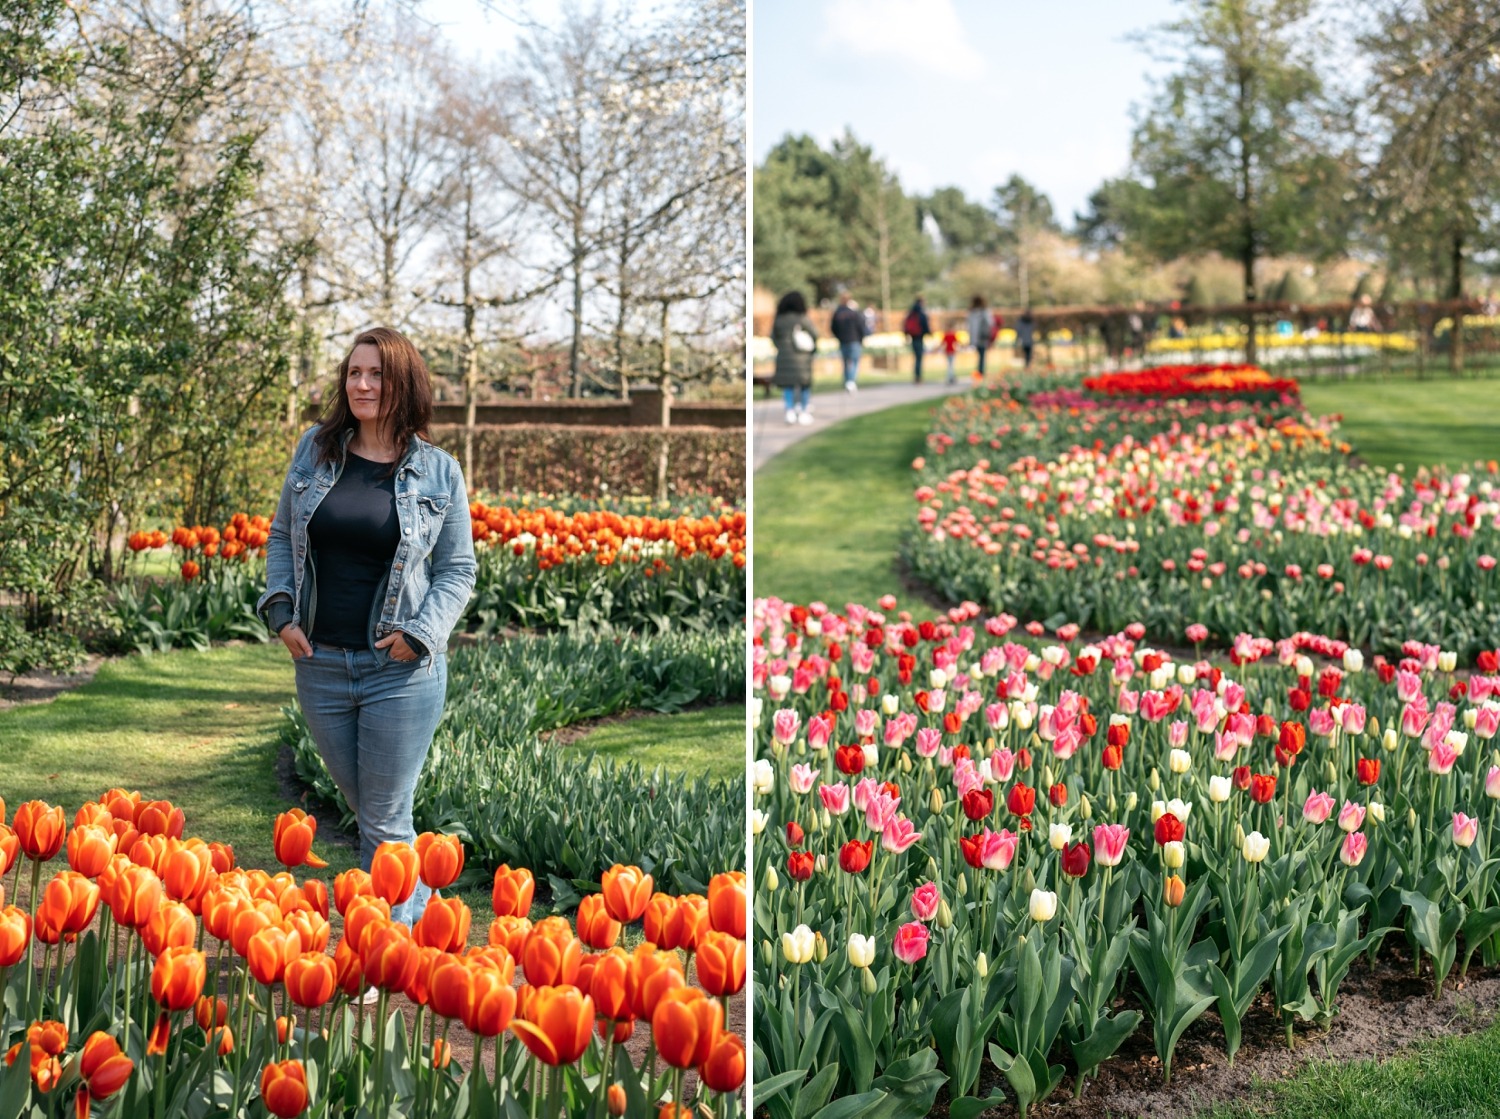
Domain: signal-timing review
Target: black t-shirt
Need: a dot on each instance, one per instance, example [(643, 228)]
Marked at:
[(354, 535)]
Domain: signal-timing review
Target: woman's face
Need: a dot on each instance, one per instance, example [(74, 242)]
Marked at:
[(363, 383)]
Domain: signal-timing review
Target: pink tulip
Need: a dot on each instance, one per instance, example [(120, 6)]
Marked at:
[(1197, 633), (1414, 717), (1352, 853), (910, 944), (820, 730), (1318, 808), (802, 778), (1465, 829), (1155, 707), (966, 777), (785, 724), (1234, 695), (1242, 727), (835, 798), (1351, 816), (1320, 721), (1408, 686), (994, 714), (1067, 742), (1177, 734), (1487, 720), (866, 721), (1002, 764), (1109, 843), (924, 901), (997, 849), (880, 811), (863, 791), (1492, 783), (1129, 703), (929, 739), (898, 835), (1352, 715), (1121, 669), (1441, 759)]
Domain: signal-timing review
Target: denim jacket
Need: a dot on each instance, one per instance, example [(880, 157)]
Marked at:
[(427, 585)]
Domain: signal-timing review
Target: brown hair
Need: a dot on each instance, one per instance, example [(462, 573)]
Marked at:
[(405, 395)]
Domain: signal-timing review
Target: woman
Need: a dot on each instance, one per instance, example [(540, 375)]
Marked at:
[(368, 568), (980, 324), (796, 341)]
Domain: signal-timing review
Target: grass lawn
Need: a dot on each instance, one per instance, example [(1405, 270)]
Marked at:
[(1413, 422), (711, 739), (829, 510), (1449, 1077)]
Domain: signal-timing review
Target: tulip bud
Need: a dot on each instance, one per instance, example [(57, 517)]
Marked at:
[(1373, 726), (824, 820), (1131, 800), (1173, 854), (767, 953), (981, 965), (1239, 835), (904, 764), (1154, 781), (867, 981), (1330, 772), (963, 885), (1047, 781), (932, 868), (1028, 881), (820, 947), (1113, 806), (1172, 891), (757, 821), (812, 826), (1085, 809), (935, 803), (944, 915), (771, 881), (1471, 716), (1377, 812), (1411, 817), (1389, 739), (820, 865)]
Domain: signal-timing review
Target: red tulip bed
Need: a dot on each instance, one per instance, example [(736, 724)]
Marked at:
[(154, 977), (993, 854), (1202, 515)]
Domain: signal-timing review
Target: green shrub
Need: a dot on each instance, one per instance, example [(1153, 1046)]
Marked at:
[(517, 799)]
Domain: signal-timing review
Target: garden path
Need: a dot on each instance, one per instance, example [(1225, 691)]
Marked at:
[(772, 434)]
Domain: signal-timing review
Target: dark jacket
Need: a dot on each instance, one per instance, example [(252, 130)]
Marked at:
[(793, 366), (922, 319), (848, 325)]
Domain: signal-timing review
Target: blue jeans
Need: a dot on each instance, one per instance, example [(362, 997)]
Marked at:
[(917, 346), (792, 395), (981, 351), (851, 352), (373, 725)]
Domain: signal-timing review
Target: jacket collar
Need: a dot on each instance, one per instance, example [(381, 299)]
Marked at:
[(415, 459)]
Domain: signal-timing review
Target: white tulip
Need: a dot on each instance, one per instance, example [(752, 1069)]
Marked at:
[(1043, 906), (1059, 835), (763, 777), (1256, 847), (1180, 761), (1219, 789), (861, 950), (798, 945), (1173, 854)]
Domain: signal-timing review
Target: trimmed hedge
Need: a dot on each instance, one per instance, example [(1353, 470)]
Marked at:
[(584, 460)]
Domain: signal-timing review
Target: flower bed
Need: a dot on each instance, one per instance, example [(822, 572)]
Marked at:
[(179, 1015), (970, 847), (1190, 380), (1241, 513)]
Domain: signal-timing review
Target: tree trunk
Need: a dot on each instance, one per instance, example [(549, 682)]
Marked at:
[(664, 380), (576, 348), (1455, 293)]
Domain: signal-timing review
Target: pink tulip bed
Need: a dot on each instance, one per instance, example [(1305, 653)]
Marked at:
[(1209, 739)]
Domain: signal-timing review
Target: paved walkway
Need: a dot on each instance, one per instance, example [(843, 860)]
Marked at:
[(771, 434)]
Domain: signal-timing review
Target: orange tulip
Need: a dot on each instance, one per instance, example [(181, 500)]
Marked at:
[(293, 839), (726, 903), (673, 1111), (495, 958), (283, 1089), (148, 851), (285, 1027), (450, 985), (90, 812), (616, 1100), (389, 956), (551, 959), (72, 899), (510, 933), (441, 1054), (250, 920), (724, 1070), (10, 848), (138, 892), (186, 870), (171, 926), (626, 890), (393, 873), (663, 926), (41, 829), (365, 914), (221, 1038), (651, 973), (442, 859), (685, 1026), (311, 980), (348, 886), (219, 906), (312, 931), (349, 970), (609, 986), (222, 857), (177, 979), (721, 964), (15, 935), (692, 913), (596, 927), (316, 892), (416, 986), (269, 952), (558, 1024), (512, 893), (121, 805), (209, 1013), (160, 817), (103, 1067), (90, 847), (491, 1006), (444, 925)]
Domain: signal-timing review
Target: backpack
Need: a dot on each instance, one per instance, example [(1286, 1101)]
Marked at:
[(913, 324)]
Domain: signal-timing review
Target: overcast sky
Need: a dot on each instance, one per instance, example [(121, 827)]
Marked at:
[(959, 92)]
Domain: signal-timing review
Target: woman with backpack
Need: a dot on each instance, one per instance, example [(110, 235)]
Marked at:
[(916, 328), (796, 342), (981, 327)]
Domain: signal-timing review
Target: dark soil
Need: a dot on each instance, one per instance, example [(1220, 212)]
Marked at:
[(39, 687), (1381, 1010)]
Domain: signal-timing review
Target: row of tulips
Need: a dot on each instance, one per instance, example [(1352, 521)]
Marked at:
[(243, 537), (973, 841), (156, 972), (1243, 514)]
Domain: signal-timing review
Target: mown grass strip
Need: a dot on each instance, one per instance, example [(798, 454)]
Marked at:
[(710, 740)]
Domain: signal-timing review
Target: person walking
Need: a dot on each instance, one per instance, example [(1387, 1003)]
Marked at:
[(950, 351), (849, 328), (916, 328), (981, 328), (1026, 337), (369, 566), (796, 342)]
